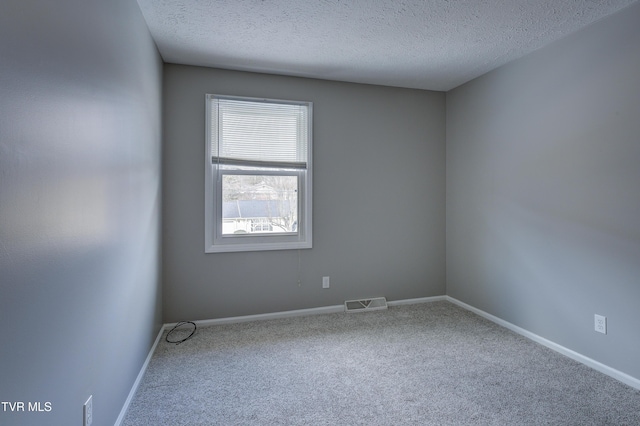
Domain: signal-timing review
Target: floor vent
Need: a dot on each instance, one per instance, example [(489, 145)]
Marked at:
[(365, 305)]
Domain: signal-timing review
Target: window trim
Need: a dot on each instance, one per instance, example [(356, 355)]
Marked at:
[(214, 241)]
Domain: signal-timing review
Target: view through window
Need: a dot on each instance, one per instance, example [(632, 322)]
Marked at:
[(258, 174)]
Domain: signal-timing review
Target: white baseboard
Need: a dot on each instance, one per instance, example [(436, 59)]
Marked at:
[(300, 312), (598, 366), (271, 315), (134, 388), (417, 300)]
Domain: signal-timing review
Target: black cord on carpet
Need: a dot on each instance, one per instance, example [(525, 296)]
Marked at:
[(177, 342)]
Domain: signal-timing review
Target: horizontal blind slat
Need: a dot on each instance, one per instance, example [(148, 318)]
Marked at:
[(266, 164), (253, 131)]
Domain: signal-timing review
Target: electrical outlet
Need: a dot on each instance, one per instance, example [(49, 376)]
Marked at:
[(601, 324), (87, 411), (325, 282)]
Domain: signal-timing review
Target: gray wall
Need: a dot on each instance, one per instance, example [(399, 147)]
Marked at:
[(378, 204), (80, 143), (543, 191)]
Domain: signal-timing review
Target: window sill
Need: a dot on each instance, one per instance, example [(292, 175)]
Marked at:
[(227, 248)]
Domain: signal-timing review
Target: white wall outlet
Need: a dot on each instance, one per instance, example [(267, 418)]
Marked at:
[(601, 324), (325, 282), (87, 412)]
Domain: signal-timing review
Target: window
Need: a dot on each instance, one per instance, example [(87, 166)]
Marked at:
[(258, 174)]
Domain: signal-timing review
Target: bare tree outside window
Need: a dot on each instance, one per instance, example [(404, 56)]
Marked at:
[(253, 201)]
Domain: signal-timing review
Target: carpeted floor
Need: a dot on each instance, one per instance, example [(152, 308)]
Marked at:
[(422, 364)]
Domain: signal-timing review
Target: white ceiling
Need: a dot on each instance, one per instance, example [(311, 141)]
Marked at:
[(425, 44)]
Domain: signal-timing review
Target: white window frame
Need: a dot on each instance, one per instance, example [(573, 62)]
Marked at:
[(215, 241)]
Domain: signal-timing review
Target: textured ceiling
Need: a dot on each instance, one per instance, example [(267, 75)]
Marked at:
[(426, 44)]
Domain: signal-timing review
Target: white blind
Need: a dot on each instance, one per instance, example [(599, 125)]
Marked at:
[(261, 133)]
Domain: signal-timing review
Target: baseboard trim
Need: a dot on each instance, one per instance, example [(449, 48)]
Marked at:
[(268, 316), (134, 388), (332, 309), (417, 300), (598, 366)]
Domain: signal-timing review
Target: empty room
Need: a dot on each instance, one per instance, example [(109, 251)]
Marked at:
[(277, 212)]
